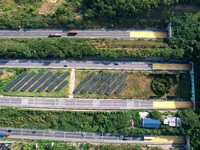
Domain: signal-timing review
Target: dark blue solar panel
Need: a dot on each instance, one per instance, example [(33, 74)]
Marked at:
[(15, 82), (40, 82), (48, 82), (1, 73), (61, 86), (116, 83), (108, 83), (23, 81), (92, 82), (100, 83), (83, 83), (120, 88), (31, 82), (57, 82)]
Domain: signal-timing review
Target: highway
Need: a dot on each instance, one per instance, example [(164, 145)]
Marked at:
[(79, 137), (78, 64), (75, 103), (120, 34), (75, 64), (91, 104)]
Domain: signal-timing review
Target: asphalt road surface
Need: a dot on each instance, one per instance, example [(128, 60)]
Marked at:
[(75, 103), (76, 64), (77, 136), (120, 34)]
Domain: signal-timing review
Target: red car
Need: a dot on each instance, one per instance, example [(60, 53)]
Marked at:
[(72, 33)]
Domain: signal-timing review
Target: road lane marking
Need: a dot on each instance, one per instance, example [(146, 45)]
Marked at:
[(148, 34)]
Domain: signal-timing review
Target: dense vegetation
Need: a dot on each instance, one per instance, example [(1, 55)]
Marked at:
[(58, 145), (73, 48), (186, 35), (89, 13), (113, 122), (161, 86), (107, 122), (191, 126)]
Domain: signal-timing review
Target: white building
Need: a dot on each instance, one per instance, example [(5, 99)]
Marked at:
[(172, 121)]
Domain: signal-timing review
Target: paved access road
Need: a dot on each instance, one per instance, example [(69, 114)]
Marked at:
[(75, 103), (78, 136), (76, 64), (123, 34)]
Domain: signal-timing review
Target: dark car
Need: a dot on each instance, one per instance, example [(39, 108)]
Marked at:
[(33, 132), (116, 64)]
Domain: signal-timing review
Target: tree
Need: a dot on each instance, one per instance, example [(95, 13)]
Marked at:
[(156, 114)]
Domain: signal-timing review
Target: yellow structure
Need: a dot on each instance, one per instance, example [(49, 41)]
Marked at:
[(159, 66), (148, 34), (167, 139), (171, 105)]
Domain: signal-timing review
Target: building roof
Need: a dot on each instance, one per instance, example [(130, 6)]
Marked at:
[(173, 121), (151, 123)]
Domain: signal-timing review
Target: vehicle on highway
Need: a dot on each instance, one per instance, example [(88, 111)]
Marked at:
[(55, 35), (33, 132), (5, 134), (122, 138), (116, 64), (72, 33)]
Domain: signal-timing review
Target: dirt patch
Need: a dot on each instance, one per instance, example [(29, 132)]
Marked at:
[(72, 83), (6, 75), (50, 6)]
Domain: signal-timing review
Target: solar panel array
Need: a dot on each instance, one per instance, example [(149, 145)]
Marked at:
[(57, 82), (116, 83), (91, 83), (23, 81), (100, 83), (83, 83), (1, 73), (103, 83), (40, 82), (108, 83), (31, 82), (15, 82), (61, 86), (48, 82), (120, 88)]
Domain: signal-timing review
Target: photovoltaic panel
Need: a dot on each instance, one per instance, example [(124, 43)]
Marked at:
[(91, 83), (100, 83), (61, 86), (23, 81), (32, 81), (108, 83), (120, 88), (116, 83), (57, 82), (15, 81), (40, 82), (48, 82), (1, 73), (83, 83)]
